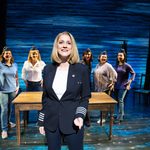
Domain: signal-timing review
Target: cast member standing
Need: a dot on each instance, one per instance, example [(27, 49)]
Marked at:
[(66, 91), (126, 75), (32, 71), (87, 58), (105, 76), (9, 87)]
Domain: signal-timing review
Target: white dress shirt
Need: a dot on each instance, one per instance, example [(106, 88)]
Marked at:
[(32, 73), (60, 82)]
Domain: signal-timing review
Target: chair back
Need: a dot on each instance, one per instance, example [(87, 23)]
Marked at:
[(142, 81)]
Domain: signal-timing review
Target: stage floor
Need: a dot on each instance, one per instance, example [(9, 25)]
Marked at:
[(132, 133)]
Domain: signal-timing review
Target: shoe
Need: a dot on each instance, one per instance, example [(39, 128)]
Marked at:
[(4, 135), (117, 121), (103, 121), (120, 118), (37, 125), (87, 123), (12, 125), (22, 122)]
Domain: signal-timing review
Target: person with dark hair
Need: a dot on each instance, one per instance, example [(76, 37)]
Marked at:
[(87, 58), (66, 92), (9, 87), (105, 77), (126, 75)]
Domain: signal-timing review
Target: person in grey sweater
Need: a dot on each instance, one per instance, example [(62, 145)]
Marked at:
[(105, 77)]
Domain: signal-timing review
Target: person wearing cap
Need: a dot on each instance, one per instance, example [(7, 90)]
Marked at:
[(105, 77), (9, 87), (32, 72)]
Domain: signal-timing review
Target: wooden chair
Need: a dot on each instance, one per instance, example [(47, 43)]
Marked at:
[(141, 92)]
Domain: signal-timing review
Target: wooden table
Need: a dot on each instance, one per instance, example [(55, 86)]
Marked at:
[(26, 101)]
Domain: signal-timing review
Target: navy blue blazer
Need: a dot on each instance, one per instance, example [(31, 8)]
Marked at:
[(61, 113)]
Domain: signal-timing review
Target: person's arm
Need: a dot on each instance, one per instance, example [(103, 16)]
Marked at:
[(17, 83), (42, 112), (42, 67), (42, 115), (132, 77), (96, 79), (113, 77), (23, 75), (1, 77), (85, 95)]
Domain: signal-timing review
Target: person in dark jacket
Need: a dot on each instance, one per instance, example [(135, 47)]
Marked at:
[(87, 58), (66, 92)]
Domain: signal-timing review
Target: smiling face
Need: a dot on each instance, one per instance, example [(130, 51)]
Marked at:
[(121, 57), (65, 49), (7, 55), (64, 46), (34, 55), (103, 59), (88, 56)]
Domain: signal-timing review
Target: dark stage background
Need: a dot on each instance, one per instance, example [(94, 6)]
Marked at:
[(96, 24)]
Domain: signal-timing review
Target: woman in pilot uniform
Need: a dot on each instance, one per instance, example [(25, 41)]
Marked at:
[(66, 91)]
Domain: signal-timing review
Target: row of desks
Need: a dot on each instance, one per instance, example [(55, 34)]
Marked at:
[(27, 101)]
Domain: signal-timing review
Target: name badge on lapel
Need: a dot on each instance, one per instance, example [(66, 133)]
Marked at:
[(73, 75)]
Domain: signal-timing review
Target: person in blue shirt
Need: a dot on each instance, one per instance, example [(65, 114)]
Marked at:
[(8, 88)]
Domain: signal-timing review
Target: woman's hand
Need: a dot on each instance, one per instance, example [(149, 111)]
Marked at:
[(17, 90), (111, 87), (78, 122), (42, 131), (41, 83), (26, 83), (128, 85)]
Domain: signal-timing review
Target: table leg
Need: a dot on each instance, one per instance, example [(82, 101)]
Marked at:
[(101, 118), (25, 117), (111, 124), (17, 114)]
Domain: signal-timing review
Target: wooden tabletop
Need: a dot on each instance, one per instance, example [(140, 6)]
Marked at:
[(36, 97), (101, 97)]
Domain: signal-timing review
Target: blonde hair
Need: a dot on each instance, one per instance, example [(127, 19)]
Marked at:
[(74, 56), (31, 51)]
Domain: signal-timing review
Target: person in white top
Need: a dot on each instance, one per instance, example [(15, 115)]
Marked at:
[(32, 71)]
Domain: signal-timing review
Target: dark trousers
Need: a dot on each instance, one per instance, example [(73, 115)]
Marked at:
[(32, 87), (74, 141)]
